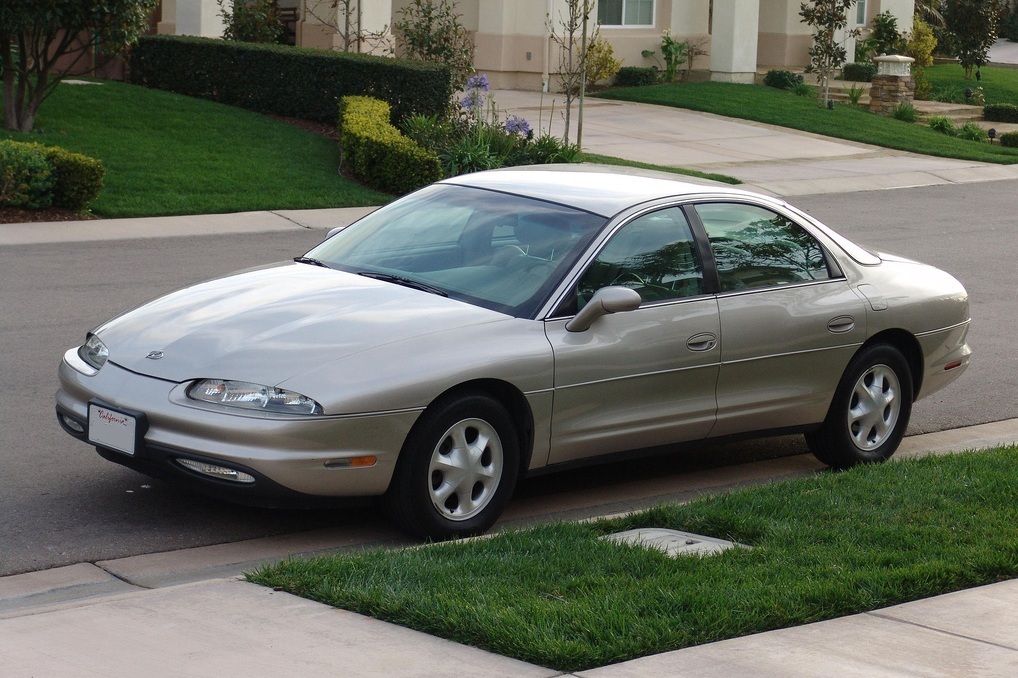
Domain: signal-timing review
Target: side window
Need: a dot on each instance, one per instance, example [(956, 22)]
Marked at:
[(754, 247), (654, 254)]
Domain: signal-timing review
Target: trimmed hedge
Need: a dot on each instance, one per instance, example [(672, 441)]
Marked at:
[(1000, 112), (291, 81), (34, 176), (1009, 139), (635, 76), (78, 178), (782, 79), (377, 153), (858, 72), (26, 179)]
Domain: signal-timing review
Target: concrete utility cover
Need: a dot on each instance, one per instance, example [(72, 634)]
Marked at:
[(673, 542)]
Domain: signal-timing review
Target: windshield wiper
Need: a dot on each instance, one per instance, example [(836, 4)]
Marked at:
[(312, 261), (405, 282)]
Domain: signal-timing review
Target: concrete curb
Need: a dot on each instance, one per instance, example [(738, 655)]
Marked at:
[(32, 592)]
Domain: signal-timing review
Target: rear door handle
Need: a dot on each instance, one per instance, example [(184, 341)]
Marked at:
[(841, 324), (702, 342)]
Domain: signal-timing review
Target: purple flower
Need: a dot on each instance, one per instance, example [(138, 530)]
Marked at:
[(514, 124), (471, 101), (478, 81)]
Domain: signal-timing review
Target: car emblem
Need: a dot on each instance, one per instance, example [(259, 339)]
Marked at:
[(155, 355)]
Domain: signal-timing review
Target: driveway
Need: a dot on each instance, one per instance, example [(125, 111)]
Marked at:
[(1004, 53), (769, 159)]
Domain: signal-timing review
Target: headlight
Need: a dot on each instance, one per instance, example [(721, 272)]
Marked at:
[(93, 351), (252, 397)]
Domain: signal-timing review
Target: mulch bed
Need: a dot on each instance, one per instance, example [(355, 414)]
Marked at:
[(16, 215)]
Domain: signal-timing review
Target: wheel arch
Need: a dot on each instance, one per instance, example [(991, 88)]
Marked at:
[(509, 397), (904, 341)]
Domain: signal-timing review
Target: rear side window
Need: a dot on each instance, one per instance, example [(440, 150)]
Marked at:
[(755, 247)]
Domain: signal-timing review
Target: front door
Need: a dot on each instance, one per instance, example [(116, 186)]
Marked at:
[(646, 377)]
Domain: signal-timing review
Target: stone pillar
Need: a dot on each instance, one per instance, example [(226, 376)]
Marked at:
[(168, 18), (893, 84), (734, 41), (199, 17)]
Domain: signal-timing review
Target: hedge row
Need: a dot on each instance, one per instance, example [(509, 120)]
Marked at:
[(1009, 139), (1000, 112), (858, 72), (635, 76), (34, 176), (290, 81), (377, 153)]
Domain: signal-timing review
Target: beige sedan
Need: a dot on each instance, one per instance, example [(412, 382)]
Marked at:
[(501, 323)]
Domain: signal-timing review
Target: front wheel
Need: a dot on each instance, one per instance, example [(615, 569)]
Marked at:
[(457, 469), (870, 410)]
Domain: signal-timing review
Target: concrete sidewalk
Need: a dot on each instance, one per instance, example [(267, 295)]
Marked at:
[(769, 159)]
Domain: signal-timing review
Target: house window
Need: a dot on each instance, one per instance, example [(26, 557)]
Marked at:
[(860, 12), (625, 12)]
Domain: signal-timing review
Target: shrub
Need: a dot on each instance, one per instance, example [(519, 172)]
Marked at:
[(1009, 25), (26, 179), (377, 153), (1000, 112), (854, 94), (801, 89), (1009, 139), (904, 112), (251, 21), (858, 72), (77, 178), (972, 132), (635, 76), (601, 62), (885, 37), (290, 81), (942, 124), (548, 149), (782, 79)]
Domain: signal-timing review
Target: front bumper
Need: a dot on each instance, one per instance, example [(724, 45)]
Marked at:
[(287, 456)]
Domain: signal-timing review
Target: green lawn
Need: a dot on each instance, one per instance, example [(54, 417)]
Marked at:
[(1000, 85), (779, 107), (824, 546), (612, 160), (171, 154)]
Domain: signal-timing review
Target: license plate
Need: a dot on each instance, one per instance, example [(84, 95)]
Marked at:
[(109, 428)]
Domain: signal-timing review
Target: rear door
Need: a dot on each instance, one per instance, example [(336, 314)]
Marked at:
[(789, 321), (646, 377)]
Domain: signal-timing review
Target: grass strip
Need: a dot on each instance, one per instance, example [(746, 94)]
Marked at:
[(823, 546), (612, 160), (779, 107), (1000, 85), (171, 154)]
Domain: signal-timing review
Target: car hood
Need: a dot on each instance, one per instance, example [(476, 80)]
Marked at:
[(268, 324)]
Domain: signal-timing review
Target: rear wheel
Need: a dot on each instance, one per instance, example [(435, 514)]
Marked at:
[(457, 469), (870, 410)]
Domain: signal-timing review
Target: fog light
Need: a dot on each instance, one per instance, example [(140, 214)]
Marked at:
[(72, 424), (352, 462), (215, 471)]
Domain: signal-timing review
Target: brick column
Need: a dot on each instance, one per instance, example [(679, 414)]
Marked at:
[(893, 84)]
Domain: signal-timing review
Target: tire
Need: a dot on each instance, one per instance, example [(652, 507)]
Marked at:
[(861, 428), (445, 484)]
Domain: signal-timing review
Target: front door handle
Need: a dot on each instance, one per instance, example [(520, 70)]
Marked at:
[(841, 324), (702, 342)]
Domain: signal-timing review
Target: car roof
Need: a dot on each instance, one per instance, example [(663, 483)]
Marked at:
[(602, 189)]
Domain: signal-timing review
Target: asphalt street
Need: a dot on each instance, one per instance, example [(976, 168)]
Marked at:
[(60, 503)]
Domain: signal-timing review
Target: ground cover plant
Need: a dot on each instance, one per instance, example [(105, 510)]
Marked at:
[(170, 154), (769, 105), (824, 546)]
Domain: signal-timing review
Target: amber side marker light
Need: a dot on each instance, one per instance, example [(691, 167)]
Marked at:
[(352, 462)]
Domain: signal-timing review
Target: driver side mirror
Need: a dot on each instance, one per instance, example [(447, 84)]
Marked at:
[(605, 301)]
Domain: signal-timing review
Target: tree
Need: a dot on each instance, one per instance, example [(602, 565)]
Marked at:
[(344, 17), (571, 35), (37, 36), (429, 30), (974, 24), (826, 18), (247, 21)]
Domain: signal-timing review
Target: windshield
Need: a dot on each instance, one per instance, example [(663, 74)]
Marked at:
[(495, 250)]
